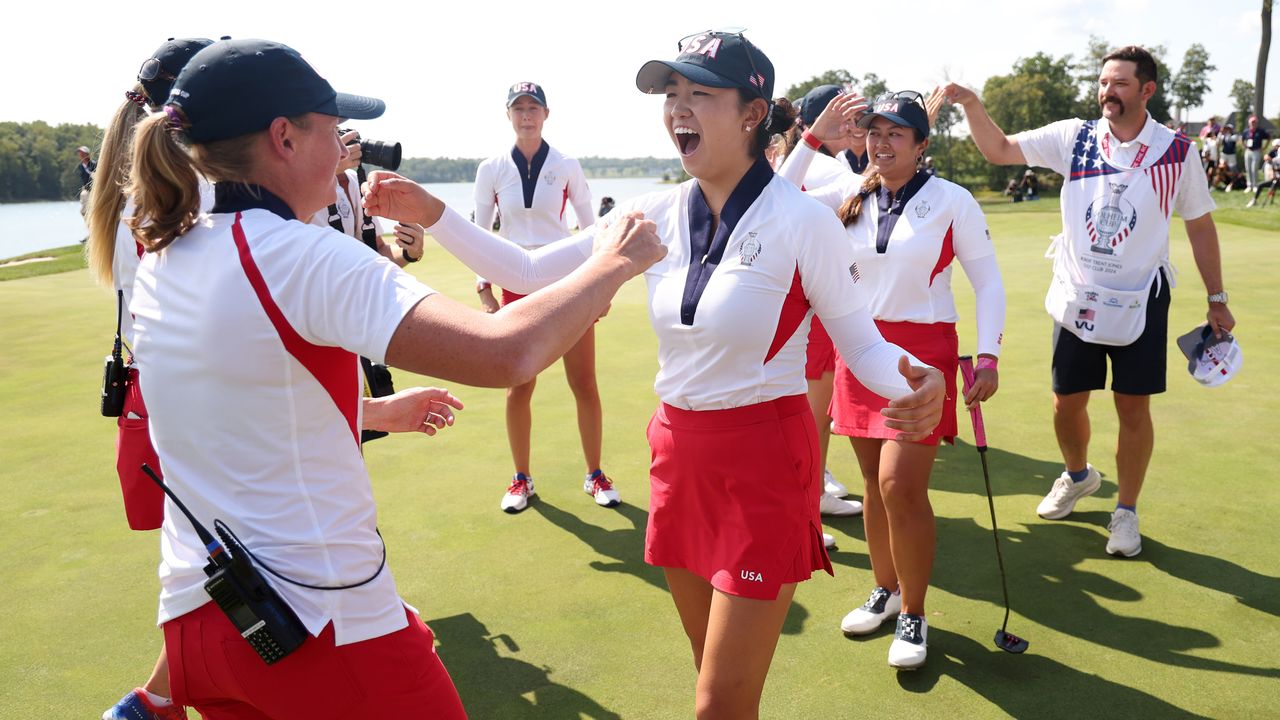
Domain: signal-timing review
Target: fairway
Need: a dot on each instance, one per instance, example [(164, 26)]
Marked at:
[(553, 614)]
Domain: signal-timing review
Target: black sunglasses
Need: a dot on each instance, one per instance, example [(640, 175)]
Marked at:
[(757, 80)]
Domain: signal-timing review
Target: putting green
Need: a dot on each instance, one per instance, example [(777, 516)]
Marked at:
[(553, 614)]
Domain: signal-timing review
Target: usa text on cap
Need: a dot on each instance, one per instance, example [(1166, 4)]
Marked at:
[(529, 90), (714, 59)]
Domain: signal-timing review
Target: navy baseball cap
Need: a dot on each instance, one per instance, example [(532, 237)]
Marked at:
[(715, 59), (160, 70), (903, 108), (817, 100), (236, 87), (529, 89)]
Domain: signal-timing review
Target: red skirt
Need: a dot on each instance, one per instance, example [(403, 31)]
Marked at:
[(855, 410), (734, 495), (820, 356)]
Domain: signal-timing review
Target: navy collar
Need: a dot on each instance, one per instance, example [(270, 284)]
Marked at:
[(891, 205), (233, 197), (530, 170), (857, 163), (705, 251)]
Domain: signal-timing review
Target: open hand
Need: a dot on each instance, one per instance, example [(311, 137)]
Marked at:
[(917, 414), (633, 239), (419, 409)]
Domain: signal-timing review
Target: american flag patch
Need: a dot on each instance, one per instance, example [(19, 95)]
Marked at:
[(1085, 314), (853, 272)]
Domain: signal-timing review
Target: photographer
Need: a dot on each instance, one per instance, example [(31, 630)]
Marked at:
[(345, 215), (248, 338)]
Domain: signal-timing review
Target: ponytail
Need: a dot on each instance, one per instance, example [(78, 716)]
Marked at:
[(852, 207), (163, 183), (106, 199)]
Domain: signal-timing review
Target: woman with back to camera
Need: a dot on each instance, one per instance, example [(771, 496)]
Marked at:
[(905, 227), (531, 185), (248, 336), (735, 478), (113, 256)]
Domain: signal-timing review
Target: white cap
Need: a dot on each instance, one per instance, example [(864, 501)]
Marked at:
[(1211, 360)]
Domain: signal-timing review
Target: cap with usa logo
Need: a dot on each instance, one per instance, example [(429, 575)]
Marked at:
[(715, 59), (526, 89)]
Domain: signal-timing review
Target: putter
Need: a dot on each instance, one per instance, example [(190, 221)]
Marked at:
[(1005, 640)]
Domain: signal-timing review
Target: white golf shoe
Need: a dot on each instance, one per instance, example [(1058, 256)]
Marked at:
[(598, 486), (910, 642), (838, 507), (881, 606), (1064, 494), (832, 486), (518, 493), (1125, 539)]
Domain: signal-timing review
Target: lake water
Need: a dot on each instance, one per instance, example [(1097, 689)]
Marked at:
[(30, 227)]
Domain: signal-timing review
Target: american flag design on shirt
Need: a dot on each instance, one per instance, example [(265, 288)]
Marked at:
[(1086, 157), (1167, 171)]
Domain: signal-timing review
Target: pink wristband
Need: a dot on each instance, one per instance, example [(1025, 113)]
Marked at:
[(986, 363), (811, 140)]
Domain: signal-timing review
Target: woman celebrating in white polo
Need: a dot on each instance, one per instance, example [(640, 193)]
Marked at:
[(529, 188), (735, 475), (249, 324), (905, 227)]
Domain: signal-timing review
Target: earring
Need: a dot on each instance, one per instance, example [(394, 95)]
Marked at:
[(747, 129)]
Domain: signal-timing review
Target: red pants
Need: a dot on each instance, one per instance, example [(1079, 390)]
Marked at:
[(213, 669)]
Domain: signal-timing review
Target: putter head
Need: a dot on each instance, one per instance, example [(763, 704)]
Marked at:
[(1010, 643)]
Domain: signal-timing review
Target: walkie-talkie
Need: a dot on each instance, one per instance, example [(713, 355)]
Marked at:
[(114, 370), (258, 612)]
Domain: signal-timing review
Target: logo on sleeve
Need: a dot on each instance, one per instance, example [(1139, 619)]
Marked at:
[(749, 250), (853, 272), (751, 576)]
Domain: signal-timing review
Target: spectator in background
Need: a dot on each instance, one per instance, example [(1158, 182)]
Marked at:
[(1213, 127), (1210, 150), (1014, 189), (1030, 185), (1271, 166), (86, 168), (1228, 142), (1255, 140), (606, 204), (928, 167)]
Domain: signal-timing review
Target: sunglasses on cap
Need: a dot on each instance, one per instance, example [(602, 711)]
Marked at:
[(908, 95), (757, 80), (152, 69)]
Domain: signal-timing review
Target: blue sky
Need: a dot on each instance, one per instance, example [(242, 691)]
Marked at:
[(444, 69)]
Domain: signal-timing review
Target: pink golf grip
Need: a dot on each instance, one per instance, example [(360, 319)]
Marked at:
[(979, 431)]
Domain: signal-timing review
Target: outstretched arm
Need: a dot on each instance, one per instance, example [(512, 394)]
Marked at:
[(1203, 235), (994, 145)]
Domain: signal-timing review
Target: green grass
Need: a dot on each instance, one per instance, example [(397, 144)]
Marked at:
[(66, 258), (553, 614)]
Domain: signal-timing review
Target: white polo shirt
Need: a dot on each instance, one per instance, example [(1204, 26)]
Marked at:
[(255, 413), (349, 210), (825, 170), (532, 201), (742, 339), (1118, 197), (911, 280)]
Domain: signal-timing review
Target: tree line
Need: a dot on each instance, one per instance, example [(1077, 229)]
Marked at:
[(426, 170), (38, 161)]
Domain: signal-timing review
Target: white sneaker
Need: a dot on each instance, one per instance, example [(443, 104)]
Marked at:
[(598, 486), (832, 486), (1062, 498), (881, 606), (1251, 203), (831, 505), (1125, 539), (828, 541), (518, 494), (910, 642)]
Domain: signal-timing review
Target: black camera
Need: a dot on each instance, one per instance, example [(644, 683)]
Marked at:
[(376, 152), (113, 386), (377, 378)]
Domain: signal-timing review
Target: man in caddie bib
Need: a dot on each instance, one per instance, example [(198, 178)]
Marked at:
[(1125, 175)]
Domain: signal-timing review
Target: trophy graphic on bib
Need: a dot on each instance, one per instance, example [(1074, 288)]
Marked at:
[(1110, 219)]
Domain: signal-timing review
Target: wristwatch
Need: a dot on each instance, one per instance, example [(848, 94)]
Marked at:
[(1219, 297)]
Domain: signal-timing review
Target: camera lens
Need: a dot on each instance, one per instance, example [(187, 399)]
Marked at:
[(385, 155)]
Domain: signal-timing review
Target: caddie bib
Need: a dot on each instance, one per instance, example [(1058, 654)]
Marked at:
[(1115, 234)]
